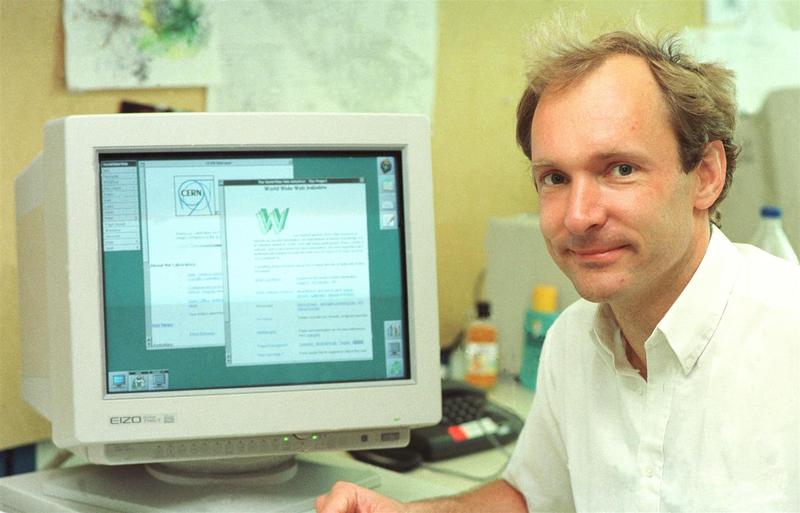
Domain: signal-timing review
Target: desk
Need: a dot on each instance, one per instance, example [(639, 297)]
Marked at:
[(419, 484)]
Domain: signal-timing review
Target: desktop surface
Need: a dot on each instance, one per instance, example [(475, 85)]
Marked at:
[(32, 492), (25, 492)]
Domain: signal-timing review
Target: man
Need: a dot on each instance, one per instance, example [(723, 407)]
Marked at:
[(672, 385)]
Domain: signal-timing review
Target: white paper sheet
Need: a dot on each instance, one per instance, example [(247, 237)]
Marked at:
[(326, 56)]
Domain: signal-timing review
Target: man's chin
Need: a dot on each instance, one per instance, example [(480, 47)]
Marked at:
[(593, 296), (596, 289)]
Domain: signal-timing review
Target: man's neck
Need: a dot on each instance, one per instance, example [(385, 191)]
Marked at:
[(637, 318), (637, 357), (636, 326)]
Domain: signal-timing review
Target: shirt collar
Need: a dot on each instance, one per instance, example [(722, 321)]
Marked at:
[(693, 318)]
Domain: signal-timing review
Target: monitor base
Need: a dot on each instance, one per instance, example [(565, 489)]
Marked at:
[(255, 471), (133, 489)]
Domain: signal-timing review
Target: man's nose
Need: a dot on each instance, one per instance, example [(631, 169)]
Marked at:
[(585, 209)]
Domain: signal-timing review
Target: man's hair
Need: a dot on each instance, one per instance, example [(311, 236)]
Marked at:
[(700, 97)]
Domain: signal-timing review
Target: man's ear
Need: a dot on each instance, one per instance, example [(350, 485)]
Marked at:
[(710, 175)]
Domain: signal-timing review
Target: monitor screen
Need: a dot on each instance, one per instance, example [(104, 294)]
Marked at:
[(226, 269)]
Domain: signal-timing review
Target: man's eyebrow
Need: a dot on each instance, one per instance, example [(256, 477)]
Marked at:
[(538, 164), (603, 156), (620, 155)]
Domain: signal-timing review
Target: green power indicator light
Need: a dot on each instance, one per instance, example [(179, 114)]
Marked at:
[(286, 439), (315, 437)]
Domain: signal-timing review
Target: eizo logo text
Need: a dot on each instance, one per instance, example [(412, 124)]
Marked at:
[(168, 418), (135, 419), (275, 220)]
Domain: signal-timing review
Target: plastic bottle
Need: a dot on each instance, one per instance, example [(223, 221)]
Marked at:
[(538, 319), (481, 351), (770, 235)]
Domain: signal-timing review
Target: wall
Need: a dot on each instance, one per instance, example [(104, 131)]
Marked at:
[(478, 172), (32, 90)]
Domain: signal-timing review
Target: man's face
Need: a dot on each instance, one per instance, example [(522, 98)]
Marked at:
[(616, 210)]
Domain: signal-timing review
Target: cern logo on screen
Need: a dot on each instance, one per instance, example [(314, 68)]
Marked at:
[(194, 196)]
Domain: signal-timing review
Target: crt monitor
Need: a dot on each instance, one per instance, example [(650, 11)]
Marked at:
[(214, 293)]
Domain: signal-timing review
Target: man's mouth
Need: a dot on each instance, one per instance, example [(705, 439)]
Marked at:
[(598, 255)]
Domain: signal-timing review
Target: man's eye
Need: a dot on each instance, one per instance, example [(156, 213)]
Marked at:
[(622, 170), (554, 179)]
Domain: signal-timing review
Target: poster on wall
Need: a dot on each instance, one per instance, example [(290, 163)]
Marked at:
[(116, 44), (326, 56), (755, 39), (265, 55)]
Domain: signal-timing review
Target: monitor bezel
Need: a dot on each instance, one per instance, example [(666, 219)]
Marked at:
[(78, 409)]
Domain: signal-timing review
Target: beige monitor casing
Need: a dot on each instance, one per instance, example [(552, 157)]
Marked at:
[(60, 272)]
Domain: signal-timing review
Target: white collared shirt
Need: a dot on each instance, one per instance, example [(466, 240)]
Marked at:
[(716, 426)]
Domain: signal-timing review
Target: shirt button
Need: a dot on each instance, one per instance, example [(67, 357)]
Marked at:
[(648, 472)]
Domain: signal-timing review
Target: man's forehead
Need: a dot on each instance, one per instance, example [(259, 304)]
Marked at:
[(618, 100)]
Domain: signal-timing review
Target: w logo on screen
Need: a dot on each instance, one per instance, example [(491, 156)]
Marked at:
[(274, 220)]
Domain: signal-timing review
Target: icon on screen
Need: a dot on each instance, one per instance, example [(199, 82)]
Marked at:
[(159, 381), (194, 196), (389, 220), (393, 329), (388, 184), (387, 202), (139, 382), (394, 368)]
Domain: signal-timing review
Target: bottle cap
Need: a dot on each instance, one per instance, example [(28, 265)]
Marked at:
[(770, 212), (484, 309), (544, 298)]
